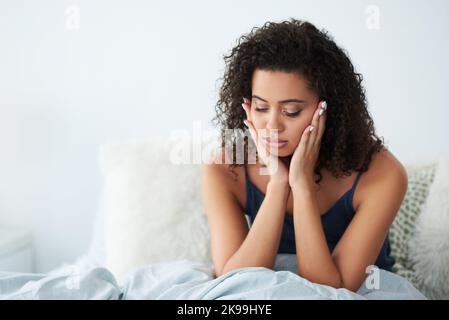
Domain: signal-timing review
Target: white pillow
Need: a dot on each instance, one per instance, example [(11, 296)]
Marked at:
[(429, 244), (153, 208)]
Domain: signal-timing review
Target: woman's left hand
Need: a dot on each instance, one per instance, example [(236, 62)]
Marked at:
[(305, 156)]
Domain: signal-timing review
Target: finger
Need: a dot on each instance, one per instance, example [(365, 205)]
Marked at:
[(251, 129), (322, 123), (247, 107), (316, 124), (252, 135), (255, 136), (263, 154), (302, 146)]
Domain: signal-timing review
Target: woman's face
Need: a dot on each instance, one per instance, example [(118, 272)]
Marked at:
[(282, 101)]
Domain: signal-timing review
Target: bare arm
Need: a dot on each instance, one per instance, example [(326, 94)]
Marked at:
[(314, 258), (360, 244), (260, 244), (260, 247)]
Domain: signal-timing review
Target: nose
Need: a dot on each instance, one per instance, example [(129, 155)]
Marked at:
[(274, 123)]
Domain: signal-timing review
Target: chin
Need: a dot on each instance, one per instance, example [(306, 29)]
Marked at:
[(283, 152)]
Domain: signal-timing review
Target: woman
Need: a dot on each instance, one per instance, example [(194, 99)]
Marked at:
[(328, 195)]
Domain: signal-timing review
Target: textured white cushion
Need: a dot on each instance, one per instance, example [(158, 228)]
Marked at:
[(420, 178), (429, 244), (154, 210)]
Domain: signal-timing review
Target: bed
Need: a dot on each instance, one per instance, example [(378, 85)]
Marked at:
[(132, 256)]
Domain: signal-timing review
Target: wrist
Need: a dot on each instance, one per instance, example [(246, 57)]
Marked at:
[(280, 186), (303, 188), (278, 183), (281, 190)]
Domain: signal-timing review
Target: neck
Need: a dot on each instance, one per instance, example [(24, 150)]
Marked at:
[(286, 160)]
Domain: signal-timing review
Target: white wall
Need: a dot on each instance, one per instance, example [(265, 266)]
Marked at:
[(75, 74)]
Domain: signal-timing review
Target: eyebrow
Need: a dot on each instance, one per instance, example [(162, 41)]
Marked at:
[(282, 101)]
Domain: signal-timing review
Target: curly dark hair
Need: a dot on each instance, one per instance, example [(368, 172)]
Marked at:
[(349, 140)]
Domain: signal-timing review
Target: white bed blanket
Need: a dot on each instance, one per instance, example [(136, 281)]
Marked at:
[(189, 280)]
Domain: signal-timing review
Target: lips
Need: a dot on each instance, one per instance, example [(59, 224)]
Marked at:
[(275, 141)]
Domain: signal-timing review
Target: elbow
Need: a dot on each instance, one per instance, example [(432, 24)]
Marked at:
[(349, 285), (334, 281), (223, 270), (219, 270), (218, 274), (338, 284)]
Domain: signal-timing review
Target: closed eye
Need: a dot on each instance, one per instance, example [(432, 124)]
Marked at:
[(289, 114)]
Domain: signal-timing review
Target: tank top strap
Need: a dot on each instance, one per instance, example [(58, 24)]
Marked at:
[(356, 181), (249, 192), (244, 168), (349, 199)]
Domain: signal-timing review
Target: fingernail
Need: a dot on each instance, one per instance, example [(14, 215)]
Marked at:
[(311, 128), (246, 123), (321, 112), (324, 105), (245, 100), (243, 105)]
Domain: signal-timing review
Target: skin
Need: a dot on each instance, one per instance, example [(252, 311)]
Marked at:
[(380, 194), (268, 116)]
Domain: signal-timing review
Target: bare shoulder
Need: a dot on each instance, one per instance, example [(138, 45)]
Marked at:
[(218, 169), (219, 165), (385, 164), (385, 172)]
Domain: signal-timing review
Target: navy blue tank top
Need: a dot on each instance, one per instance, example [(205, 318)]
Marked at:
[(334, 221)]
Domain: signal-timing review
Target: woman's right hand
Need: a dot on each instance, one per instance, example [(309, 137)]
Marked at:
[(273, 166)]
